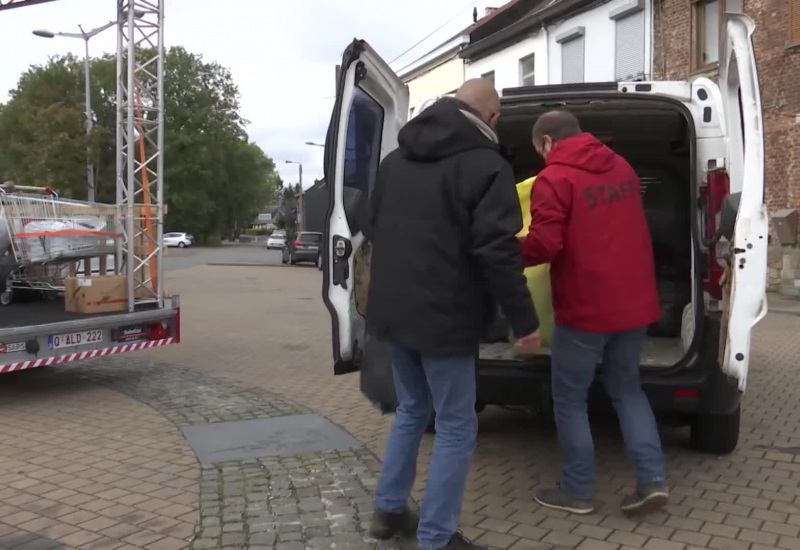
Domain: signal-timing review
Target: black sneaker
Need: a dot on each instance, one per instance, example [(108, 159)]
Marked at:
[(385, 525), (647, 499), (557, 499), (460, 542)]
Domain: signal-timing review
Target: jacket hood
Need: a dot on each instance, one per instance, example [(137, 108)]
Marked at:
[(584, 152), (444, 129)]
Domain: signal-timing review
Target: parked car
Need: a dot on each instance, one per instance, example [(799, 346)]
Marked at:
[(181, 240), (304, 247), (276, 241), (703, 194)]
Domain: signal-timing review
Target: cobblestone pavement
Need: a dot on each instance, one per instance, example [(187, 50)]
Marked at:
[(94, 450), (83, 467), (278, 339), (317, 500)]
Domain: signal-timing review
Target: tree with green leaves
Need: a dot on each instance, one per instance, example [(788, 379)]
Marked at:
[(216, 179)]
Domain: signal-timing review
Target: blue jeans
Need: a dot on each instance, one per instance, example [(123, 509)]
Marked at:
[(575, 357), (424, 384)]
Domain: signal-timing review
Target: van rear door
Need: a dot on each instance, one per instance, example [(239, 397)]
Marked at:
[(371, 107), (745, 300)]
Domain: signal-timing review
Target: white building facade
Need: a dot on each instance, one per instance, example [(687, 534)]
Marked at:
[(609, 42), (569, 41), (523, 63)]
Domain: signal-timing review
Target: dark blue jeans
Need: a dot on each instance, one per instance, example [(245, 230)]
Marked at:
[(424, 384), (575, 358)]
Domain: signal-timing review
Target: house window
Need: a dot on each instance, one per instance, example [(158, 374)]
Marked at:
[(572, 59), (629, 47), (794, 22), (488, 76), (527, 70), (707, 26)]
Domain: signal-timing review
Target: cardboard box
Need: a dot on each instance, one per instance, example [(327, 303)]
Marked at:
[(106, 294)]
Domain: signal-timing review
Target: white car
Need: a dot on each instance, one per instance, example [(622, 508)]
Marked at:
[(181, 240), (276, 241)]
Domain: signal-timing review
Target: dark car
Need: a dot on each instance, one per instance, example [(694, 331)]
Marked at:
[(303, 247)]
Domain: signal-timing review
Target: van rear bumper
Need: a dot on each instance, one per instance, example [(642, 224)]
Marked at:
[(698, 388)]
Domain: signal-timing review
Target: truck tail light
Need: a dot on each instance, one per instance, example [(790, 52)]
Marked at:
[(158, 331), (716, 189)]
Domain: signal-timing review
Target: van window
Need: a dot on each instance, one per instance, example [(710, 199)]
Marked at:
[(363, 146)]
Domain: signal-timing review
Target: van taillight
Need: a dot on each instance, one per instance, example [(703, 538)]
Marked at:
[(717, 188)]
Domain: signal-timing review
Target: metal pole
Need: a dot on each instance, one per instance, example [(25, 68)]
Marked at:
[(89, 123), (134, 263), (300, 210), (160, 159)]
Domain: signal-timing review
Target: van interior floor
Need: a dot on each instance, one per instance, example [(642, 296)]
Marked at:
[(658, 352)]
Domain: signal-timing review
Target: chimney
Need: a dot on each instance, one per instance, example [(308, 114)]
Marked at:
[(489, 11)]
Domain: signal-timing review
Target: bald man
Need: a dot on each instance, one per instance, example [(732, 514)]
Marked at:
[(443, 220)]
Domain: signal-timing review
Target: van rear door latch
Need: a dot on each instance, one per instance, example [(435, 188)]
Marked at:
[(342, 249)]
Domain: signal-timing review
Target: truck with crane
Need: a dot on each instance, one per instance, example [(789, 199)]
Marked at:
[(45, 331)]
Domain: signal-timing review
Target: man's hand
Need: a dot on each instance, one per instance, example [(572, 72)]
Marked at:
[(529, 344)]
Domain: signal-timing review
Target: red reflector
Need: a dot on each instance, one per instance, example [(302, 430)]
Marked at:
[(686, 393), (158, 331), (717, 188)]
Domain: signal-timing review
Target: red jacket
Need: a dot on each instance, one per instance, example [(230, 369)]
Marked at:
[(587, 221)]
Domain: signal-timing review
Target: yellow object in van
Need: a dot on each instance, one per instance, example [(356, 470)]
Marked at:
[(538, 277)]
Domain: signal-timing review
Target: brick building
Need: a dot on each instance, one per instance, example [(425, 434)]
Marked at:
[(686, 44)]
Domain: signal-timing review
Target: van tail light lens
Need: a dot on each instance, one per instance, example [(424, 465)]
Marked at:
[(178, 326), (717, 188), (298, 244), (158, 331)]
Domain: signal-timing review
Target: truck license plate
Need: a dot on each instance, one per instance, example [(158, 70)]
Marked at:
[(73, 339)]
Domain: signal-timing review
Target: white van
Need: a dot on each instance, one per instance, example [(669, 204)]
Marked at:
[(699, 150)]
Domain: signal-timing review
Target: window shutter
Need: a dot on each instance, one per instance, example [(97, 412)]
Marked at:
[(629, 47), (794, 21), (572, 59)]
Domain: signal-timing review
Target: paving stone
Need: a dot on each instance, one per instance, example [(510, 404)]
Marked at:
[(76, 408)]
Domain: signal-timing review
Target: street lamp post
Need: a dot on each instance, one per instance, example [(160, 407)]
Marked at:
[(300, 213), (86, 36)]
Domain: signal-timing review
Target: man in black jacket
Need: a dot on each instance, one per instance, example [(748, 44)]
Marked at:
[(444, 216)]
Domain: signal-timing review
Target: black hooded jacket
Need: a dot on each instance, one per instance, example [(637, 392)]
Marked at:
[(443, 220)]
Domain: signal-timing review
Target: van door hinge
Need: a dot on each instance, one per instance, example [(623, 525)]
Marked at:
[(342, 249)]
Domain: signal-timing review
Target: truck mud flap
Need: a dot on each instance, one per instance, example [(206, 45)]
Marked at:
[(377, 382)]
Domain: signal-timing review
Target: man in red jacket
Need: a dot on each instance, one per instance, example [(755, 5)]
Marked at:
[(589, 224)]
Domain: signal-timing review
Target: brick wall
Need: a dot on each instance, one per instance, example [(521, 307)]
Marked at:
[(779, 74)]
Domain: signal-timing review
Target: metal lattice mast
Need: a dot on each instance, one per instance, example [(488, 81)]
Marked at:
[(140, 145)]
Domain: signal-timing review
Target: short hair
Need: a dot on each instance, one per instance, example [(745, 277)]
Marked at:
[(559, 125)]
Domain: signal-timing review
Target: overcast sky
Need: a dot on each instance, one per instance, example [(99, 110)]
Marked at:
[(282, 53)]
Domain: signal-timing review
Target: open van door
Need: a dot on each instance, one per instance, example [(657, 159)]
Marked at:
[(371, 107), (744, 294)]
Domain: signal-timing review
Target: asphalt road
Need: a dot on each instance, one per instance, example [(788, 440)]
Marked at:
[(229, 254)]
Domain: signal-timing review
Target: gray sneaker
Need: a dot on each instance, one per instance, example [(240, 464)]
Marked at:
[(558, 499), (647, 499)]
